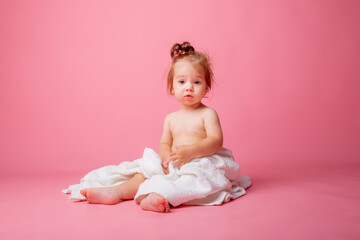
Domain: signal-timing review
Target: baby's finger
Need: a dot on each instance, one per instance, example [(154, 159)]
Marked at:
[(182, 164), (179, 163)]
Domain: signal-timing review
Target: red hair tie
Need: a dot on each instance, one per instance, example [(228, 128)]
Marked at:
[(178, 52)]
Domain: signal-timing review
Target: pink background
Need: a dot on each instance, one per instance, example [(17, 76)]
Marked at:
[(83, 83)]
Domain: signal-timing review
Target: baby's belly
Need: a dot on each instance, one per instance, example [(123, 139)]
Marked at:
[(186, 141)]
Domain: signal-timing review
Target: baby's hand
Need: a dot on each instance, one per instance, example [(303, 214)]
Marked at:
[(165, 165), (181, 155)]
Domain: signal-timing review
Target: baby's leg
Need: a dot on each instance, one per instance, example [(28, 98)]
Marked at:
[(113, 195), (155, 202)]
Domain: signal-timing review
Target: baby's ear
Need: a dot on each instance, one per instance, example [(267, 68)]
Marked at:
[(207, 92)]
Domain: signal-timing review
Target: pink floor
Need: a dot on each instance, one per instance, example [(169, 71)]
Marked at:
[(307, 203)]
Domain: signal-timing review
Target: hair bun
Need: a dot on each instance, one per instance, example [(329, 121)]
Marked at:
[(178, 49)]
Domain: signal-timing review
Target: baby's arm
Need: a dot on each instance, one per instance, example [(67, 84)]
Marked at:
[(212, 144), (165, 144)]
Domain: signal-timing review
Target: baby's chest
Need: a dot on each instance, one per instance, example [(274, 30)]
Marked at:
[(187, 126)]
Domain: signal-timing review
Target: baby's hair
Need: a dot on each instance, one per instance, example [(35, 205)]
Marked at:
[(187, 52)]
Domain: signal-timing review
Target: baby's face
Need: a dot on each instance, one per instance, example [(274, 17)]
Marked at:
[(189, 86)]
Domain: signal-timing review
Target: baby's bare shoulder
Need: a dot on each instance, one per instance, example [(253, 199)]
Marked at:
[(171, 116), (209, 112)]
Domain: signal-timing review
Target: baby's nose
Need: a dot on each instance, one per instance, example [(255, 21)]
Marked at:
[(189, 87)]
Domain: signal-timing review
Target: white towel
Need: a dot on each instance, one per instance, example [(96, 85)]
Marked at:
[(203, 181)]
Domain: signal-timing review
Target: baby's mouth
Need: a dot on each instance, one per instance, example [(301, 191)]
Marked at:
[(188, 96)]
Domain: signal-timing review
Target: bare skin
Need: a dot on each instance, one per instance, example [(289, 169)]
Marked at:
[(113, 195), (193, 131), (127, 190), (155, 202)]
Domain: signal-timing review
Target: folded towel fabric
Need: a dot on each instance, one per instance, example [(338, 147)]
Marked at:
[(203, 181)]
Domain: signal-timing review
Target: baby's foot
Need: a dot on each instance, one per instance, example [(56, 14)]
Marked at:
[(106, 195), (155, 202)]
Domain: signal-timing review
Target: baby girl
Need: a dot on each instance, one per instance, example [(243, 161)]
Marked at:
[(192, 167)]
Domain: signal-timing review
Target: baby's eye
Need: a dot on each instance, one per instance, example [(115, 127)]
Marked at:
[(197, 82), (181, 81)]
